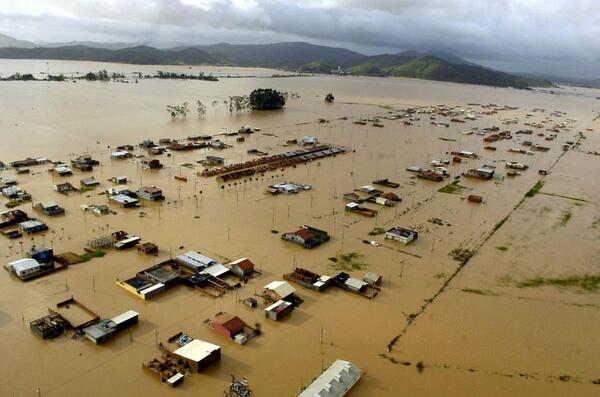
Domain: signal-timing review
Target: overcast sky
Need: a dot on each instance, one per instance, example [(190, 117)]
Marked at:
[(554, 36)]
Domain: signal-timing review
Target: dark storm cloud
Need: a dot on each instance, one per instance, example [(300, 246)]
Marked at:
[(517, 34)]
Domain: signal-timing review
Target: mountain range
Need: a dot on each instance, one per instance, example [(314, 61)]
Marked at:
[(293, 56)]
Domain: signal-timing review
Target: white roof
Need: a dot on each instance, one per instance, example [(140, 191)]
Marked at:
[(216, 270), (195, 260), (335, 381), (352, 205), (196, 350), (173, 379), (355, 283), (152, 288), (119, 153), (121, 318), (31, 223), (274, 305), (281, 288), (23, 265), (49, 204), (122, 198)]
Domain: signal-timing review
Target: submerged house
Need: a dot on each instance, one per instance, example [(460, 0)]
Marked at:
[(405, 236), (150, 193), (65, 188), (124, 201), (50, 208), (105, 329), (195, 353), (335, 381), (307, 236), (279, 290), (279, 310), (195, 261), (33, 226), (233, 327), (242, 267), (484, 173)]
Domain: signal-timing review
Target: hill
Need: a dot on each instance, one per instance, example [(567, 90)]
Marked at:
[(140, 55), (282, 55), (297, 56), (429, 67), (7, 41)]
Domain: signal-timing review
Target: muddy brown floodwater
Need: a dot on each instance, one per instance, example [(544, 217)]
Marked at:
[(470, 325)]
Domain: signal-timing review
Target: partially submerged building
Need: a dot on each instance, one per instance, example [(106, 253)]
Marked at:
[(104, 330), (307, 236), (279, 310), (279, 290), (33, 226), (50, 208), (335, 381), (308, 279), (150, 193), (196, 354), (242, 267), (485, 173), (405, 236), (195, 261), (124, 201), (233, 327)]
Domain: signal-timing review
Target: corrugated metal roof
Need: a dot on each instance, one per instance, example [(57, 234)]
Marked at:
[(281, 288), (196, 350)]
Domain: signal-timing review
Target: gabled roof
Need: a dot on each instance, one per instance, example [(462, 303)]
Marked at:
[(231, 323), (281, 288), (243, 263), (304, 234)]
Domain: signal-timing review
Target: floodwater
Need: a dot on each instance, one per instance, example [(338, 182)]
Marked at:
[(473, 329)]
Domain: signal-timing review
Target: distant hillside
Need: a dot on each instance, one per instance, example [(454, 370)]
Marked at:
[(433, 68), (92, 44), (301, 57), (288, 55), (140, 55), (7, 41)]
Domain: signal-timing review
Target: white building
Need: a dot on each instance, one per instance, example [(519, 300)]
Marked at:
[(335, 381), (405, 236)]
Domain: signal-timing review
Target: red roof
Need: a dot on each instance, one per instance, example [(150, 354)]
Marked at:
[(245, 265), (231, 323), (304, 234)]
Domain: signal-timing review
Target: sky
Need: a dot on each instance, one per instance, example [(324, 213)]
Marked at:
[(560, 37)]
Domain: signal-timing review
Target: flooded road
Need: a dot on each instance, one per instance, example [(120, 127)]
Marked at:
[(470, 325)]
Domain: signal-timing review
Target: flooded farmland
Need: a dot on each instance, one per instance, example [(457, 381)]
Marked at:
[(468, 308)]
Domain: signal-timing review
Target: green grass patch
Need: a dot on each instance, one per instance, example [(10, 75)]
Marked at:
[(565, 217), (477, 291), (88, 256), (377, 231), (440, 275), (85, 189), (348, 262), (588, 282), (461, 254), (13, 204), (596, 223), (535, 189), (502, 248), (453, 188)]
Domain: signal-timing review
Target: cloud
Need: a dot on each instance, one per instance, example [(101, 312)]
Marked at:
[(526, 34)]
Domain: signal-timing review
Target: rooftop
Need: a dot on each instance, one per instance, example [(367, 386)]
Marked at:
[(197, 350)]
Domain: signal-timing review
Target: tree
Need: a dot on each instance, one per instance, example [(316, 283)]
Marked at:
[(177, 111), (266, 99), (329, 98), (201, 109)]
